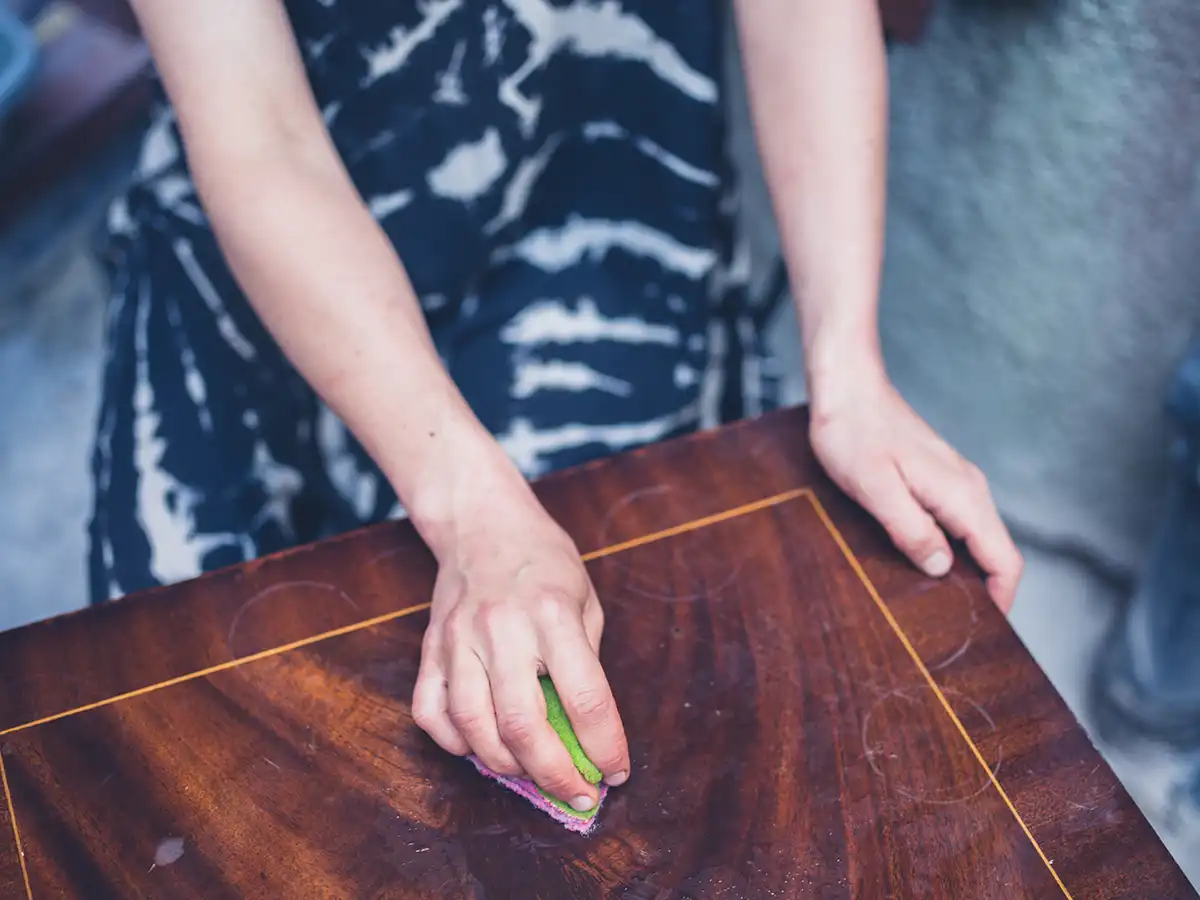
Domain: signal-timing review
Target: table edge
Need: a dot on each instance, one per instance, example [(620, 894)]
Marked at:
[(765, 503)]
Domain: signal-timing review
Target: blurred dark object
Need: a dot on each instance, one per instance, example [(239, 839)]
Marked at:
[(1147, 677), (904, 20), (116, 13), (91, 85), (1007, 7)]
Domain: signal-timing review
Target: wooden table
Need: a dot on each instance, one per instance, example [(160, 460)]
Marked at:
[(809, 718)]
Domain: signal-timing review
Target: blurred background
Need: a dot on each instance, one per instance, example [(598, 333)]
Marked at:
[(1041, 292)]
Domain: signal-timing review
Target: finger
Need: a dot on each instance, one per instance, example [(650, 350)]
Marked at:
[(523, 726), (587, 698), (964, 505), (473, 715), (431, 707), (886, 496)]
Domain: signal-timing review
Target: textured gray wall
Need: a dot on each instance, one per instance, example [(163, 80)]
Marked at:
[(1043, 248)]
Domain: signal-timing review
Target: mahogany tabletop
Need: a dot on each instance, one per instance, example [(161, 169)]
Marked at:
[(809, 717)]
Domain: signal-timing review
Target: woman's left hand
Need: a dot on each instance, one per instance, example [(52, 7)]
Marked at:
[(880, 452)]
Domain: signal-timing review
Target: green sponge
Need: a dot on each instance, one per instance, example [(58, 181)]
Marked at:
[(563, 813), (562, 726)]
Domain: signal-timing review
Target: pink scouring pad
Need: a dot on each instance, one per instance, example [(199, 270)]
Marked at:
[(559, 812), (570, 818)]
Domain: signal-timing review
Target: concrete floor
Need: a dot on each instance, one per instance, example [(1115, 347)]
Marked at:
[(51, 311), (50, 346)]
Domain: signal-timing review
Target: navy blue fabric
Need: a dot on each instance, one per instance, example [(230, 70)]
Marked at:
[(553, 177)]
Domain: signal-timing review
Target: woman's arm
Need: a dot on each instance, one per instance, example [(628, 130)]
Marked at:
[(314, 264), (512, 596), (817, 78)]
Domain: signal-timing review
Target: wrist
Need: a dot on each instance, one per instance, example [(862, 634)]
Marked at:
[(841, 365), (840, 331), (459, 488)]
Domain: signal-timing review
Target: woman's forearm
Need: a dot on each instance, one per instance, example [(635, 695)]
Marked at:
[(817, 78), (326, 282), (315, 265)]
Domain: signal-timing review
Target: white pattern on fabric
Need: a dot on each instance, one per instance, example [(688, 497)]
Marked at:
[(555, 322), (551, 174), (555, 249)]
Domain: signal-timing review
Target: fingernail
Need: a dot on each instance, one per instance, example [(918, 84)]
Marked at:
[(938, 564), (583, 804), (618, 779)]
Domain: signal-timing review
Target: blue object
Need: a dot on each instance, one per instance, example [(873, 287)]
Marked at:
[(1147, 677), (18, 60)]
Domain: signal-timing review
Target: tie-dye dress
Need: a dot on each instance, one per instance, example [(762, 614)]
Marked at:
[(553, 176)]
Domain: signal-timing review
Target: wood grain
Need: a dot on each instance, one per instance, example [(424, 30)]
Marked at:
[(808, 716)]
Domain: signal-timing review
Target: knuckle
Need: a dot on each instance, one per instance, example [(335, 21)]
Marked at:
[(611, 763), (501, 763), (874, 484), (1018, 563), (458, 627), (975, 477), (925, 543), (553, 607), (612, 757), (928, 536), (827, 437), (425, 712), (424, 718), (494, 616), (431, 639), (858, 482), (579, 585), (559, 783), (517, 729), (914, 533), (963, 497), (466, 720), (592, 703)]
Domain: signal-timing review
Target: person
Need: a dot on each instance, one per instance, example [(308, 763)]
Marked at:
[(1145, 679), (398, 258)]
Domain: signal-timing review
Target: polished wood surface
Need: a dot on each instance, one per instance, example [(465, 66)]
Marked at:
[(809, 717)]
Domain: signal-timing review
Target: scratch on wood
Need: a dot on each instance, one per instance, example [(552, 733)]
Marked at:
[(274, 589)]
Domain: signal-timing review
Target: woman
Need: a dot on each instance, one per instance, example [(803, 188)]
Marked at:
[(491, 236)]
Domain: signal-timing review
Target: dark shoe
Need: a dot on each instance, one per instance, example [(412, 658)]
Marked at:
[(1147, 677)]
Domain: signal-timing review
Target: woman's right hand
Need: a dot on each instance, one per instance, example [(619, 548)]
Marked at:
[(512, 597), (513, 601)]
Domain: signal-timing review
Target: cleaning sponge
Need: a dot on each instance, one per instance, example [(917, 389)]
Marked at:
[(582, 822)]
